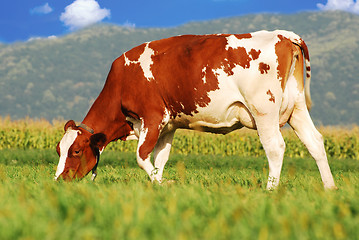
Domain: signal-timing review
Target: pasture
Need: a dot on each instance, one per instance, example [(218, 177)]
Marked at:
[(218, 190)]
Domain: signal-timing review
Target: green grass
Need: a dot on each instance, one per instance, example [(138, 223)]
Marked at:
[(213, 197)]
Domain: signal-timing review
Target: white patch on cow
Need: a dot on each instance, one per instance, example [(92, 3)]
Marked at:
[(288, 34), (258, 39), (145, 61), (67, 140), (204, 74), (232, 42), (165, 119), (182, 106), (143, 133), (307, 62)]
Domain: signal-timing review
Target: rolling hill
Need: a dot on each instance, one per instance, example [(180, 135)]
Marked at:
[(60, 77)]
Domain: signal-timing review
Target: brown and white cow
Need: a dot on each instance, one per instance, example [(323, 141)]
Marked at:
[(212, 83)]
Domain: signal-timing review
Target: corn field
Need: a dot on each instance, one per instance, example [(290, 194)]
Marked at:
[(340, 142)]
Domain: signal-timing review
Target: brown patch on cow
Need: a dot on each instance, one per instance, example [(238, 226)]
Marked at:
[(242, 36), (272, 98), (228, 68), (238, 56), (254, 53), (308, 71), (284, 51), (263, 67), (304, 48), (185, 91)]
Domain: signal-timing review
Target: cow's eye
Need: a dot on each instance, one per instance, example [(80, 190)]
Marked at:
[(77, 152)]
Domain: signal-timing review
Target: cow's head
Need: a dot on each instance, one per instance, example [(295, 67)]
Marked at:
[(78, 151)]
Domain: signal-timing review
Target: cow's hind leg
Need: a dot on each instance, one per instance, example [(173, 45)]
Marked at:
[(162, 152), (303, 126)]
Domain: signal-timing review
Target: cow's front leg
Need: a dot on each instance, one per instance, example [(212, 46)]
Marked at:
[(147, 140), (274, 146), (162, 152)]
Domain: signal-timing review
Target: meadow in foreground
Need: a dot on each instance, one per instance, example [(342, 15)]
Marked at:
[(212, 197)]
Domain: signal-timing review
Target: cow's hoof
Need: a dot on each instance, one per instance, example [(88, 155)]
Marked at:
[(167, 182), (331, 188)]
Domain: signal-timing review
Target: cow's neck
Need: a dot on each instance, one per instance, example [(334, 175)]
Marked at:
[(105, 116)]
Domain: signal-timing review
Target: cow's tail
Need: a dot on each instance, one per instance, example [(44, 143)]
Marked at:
[(300, 42), (305, 51)]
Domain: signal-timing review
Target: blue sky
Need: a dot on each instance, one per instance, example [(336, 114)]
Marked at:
[(21, 20)]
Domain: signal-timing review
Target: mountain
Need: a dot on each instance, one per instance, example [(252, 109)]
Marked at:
[(60, 77)]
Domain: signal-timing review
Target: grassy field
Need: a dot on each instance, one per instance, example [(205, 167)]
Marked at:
[(212, 197), (218, 190)]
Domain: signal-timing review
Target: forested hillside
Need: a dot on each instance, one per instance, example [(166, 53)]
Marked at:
[(61, 77)]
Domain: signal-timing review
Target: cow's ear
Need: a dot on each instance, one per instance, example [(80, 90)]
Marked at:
[(70, 124), (98, 140)]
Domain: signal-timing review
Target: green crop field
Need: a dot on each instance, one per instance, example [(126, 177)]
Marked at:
[(218, 190)]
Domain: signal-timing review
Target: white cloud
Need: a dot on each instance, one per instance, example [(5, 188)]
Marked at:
[(344, 5), (82, 13), (43, 9), (129, 24), (42, 38)]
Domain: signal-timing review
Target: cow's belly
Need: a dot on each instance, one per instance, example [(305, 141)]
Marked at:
[(233, 117), (226, 112)]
